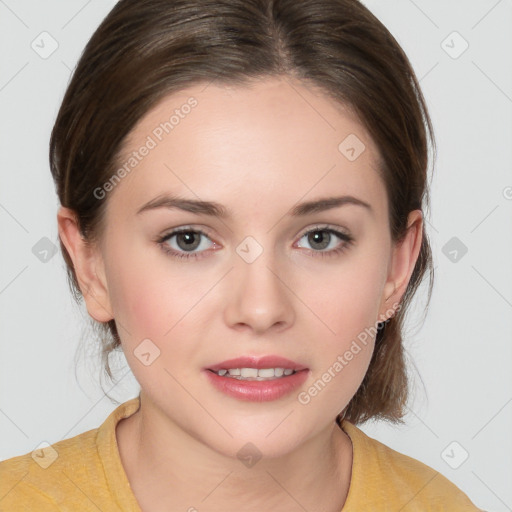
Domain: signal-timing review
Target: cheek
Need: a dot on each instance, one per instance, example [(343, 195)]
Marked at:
[(148, 306), (348, 305), (153, 297), (140, 291), (151, 305), (347, 300)]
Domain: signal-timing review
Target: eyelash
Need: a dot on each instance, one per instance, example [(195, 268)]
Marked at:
[(348, 239)]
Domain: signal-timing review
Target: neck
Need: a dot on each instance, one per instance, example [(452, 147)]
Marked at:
[(168, 468)]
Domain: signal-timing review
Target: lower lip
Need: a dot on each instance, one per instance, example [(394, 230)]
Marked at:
[(258, 391)]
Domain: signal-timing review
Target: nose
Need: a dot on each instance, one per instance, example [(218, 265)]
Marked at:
[(259, 297)]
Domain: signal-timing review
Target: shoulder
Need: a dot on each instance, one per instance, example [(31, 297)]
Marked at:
[(82, 473), (35, 479), (399, 479)]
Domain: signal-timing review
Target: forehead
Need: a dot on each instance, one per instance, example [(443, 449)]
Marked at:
[(274, 139)]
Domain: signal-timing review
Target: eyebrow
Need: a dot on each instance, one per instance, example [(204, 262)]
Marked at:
[(217, 210)]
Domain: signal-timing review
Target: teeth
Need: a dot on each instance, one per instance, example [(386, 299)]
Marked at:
[(255, 373), (249, 372), (264, 372)]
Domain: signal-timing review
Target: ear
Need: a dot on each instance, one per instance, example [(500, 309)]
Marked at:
[(401, 266), (86, 260)]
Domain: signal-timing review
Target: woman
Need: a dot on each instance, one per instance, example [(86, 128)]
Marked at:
[(242, 187)]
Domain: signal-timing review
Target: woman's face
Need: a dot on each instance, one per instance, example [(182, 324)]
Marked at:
[(255, 283)]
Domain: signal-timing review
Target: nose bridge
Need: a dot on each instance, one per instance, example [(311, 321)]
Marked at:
[(259, 296)]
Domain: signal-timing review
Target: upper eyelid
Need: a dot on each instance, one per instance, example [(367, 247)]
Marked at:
[(205, 231)]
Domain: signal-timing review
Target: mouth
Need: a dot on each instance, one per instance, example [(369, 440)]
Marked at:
[(257, 379), (260, 374), (253, 368)]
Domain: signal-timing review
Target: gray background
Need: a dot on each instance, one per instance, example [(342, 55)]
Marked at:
[(462, 404)]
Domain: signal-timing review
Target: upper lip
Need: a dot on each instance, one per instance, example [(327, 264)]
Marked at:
[(259, 362)]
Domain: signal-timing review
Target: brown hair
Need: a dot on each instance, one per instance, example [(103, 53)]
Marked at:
[(143, 51)]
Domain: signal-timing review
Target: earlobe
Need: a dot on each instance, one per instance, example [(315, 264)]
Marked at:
[(86, 261), (404, 260)]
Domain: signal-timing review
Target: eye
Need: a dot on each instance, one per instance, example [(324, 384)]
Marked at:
[(324, 237), (186, 240), (187, 243)]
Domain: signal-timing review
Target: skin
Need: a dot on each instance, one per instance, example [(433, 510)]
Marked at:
[(258, 151)]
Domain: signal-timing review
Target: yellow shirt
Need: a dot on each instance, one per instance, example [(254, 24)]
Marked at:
[(84, 473)]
